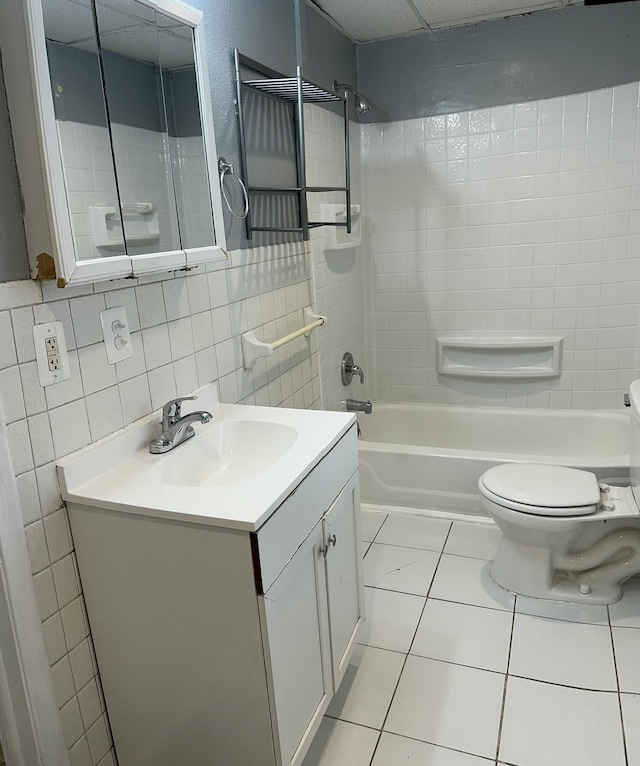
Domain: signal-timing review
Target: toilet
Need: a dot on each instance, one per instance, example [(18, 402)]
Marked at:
[(565, 536)]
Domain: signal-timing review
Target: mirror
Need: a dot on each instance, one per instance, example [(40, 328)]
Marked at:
[(129, 124)]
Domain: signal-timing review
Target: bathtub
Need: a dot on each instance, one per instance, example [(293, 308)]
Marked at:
[(430, 457)]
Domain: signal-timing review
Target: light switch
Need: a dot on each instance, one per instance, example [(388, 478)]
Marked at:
[(115, 331)]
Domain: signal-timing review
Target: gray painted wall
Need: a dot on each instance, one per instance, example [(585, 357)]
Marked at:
[(263, 30), (522, 58), (13, 247), (329, 55)]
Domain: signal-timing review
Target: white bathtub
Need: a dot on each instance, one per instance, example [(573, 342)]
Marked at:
[(431, 456)]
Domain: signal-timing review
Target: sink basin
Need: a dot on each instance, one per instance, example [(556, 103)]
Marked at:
[(225, 453), (235, 472)]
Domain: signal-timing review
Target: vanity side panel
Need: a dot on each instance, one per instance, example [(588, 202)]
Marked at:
[(175, 623)]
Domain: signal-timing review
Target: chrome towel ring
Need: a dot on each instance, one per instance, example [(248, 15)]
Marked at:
[(225, 167)]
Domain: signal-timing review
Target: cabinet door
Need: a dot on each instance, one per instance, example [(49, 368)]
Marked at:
[(297, 648), (343, 560)]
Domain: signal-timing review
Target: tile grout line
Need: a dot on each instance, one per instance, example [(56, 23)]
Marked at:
[(406, 657), (615, 668), (506, 679)]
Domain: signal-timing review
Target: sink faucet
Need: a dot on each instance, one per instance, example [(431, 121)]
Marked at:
[(355, 405), (176, 428)]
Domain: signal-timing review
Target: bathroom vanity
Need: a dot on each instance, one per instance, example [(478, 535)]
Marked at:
[(223, 581)]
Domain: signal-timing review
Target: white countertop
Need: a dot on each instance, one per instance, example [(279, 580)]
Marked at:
[(118, 473)]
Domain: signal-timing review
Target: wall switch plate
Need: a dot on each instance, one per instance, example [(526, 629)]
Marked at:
[(51, 353), (115, 331)]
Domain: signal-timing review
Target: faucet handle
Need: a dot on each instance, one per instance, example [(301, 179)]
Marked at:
[(171, 410)]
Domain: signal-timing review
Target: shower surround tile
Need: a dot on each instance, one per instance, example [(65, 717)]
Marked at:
[(520, 220)]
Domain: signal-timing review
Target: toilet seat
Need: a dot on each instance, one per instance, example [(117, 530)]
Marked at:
[(542, 490)]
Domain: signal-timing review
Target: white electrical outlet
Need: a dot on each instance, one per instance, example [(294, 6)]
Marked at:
[(51, 353), (115, 331)]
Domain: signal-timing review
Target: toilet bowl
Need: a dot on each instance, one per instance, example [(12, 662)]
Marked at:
[(565, 536)]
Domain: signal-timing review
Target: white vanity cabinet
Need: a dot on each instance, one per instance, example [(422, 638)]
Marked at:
[(218, 645)]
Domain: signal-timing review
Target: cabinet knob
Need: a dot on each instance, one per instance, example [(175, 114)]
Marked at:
[(333, 540)]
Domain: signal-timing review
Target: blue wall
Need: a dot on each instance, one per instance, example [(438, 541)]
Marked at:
[(13, 247), (522, 58)]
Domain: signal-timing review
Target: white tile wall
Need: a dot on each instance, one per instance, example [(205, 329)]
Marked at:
[(186, 331), (518, 220), (339, 275)]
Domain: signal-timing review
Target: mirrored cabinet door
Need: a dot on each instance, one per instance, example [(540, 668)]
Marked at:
[(127, 136), (82, 128), (133, 83)]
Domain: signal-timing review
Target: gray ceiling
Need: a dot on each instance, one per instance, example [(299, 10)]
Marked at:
[(366, 20)]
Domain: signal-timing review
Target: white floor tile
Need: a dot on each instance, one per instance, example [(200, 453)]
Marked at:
[(448, 705), (626, 643), (339, 743), (626, 612), (594, 614), (548, 725), (413, 531), (569, 653), (394, 750), (477, 541), (371, 522), (467, 635), (631, 723), (408, 570), (392, 619), (367, 687), (467, 581)]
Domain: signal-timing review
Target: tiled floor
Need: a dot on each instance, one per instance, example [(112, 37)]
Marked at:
[(451, 670)]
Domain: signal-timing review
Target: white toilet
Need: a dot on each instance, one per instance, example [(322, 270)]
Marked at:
[(564, 535)]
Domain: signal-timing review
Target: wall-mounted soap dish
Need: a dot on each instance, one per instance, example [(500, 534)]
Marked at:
[(336, 237)]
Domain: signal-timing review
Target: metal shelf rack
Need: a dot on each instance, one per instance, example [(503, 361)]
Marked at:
[(297, 91)]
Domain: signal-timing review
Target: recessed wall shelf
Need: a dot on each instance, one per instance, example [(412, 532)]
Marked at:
[(500, 357), (296, 91)]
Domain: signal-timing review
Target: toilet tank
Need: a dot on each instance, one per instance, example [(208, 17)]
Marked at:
[(634, 447)]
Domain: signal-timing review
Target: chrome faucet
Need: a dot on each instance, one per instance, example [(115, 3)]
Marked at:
[(176, 428), (355, 405)]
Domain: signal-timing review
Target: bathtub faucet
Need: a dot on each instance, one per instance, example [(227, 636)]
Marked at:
[(355, 405)]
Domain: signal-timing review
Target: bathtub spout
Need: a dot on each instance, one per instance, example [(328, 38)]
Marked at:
[(355, 405), (607, 564)]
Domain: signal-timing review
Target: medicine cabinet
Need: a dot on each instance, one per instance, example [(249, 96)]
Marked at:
[(122, 110)]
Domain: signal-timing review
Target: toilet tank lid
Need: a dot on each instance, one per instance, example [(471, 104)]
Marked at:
[(545, 486)]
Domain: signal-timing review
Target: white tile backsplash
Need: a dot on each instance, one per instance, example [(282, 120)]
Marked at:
[(190, 337), (516, 220)]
